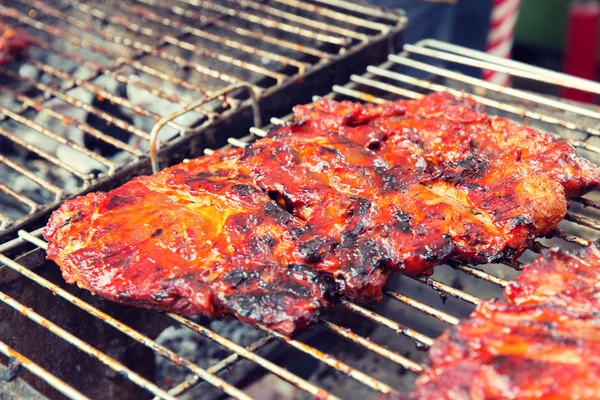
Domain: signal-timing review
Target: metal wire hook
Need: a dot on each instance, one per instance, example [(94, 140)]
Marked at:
[(154, 143)]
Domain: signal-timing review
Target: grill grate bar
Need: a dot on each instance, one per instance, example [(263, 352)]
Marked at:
[(303, 20), (393, 325), (286, 44), (270, 366), (589, 203), (57, 138), (32, 103), (269, 22), (32, 205), (78, 103), (442, 316), (571, 238), (102, 93), (154, 17), (479, 274), (446, 290), (92, 66), (588, 86), (83, 346), (58, 192), (119, 21), (227, 362), (333, 362), (374, 347), (40, 372), (337, 15), (581, 220), (137, 336), (490, 86), (45, 155), (130, 43)]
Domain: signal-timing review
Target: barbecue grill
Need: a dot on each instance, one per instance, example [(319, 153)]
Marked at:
[(415, 311), (101, 74)]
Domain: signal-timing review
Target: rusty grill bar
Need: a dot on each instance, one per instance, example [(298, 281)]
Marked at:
[(387, 81), (95, 66)]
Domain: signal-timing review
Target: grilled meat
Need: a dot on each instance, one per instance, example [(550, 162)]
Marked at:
[(569, 280), (272, 232), (543, 344), (192, 244), (413, 223), (442, 128), (13, 43)]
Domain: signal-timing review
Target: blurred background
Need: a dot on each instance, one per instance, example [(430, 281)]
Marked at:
[(561, 35)]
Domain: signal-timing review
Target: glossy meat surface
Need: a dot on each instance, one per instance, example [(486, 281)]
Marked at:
[(441, 128), (13, 42), (543, 344), (570, 280), (323, 207), (192, 244)]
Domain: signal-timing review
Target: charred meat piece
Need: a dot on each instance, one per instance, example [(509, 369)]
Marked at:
[(505, 351), (191, 243), (475, 210), (13, 43), (543, 344), (442, 128), (570, 280)]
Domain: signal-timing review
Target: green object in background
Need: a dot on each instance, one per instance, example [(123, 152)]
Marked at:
[(543, 23)]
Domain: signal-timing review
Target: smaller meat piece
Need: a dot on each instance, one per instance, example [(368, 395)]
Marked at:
[(543, 344), (570, 280), (13, 43)]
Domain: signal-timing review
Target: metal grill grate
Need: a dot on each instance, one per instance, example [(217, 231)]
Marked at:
[(99, 75), (384, 82)]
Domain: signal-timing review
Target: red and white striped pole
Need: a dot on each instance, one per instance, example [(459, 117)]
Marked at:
[(501, 35)]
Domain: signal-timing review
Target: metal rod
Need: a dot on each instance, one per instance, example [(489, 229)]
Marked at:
[(268, 22), (137, 336), (370, 345), (571, 238), (559, 78), (327, 12), (147, 15), (286, 44), (491, 86), (57, 138), (154, 145), (227, 362), (581, 220), (447, 290), (274, 368), (442, 316), (304, 20), (45, 155), (79, 104), (333, 362), (43, 374), (11, 244), (150, 15), (83, 346), (32, 205), (479, 274), (393, 325), (589, 203), (369, 98), (588, 87)]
